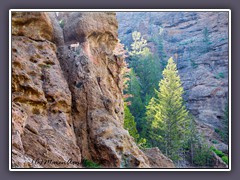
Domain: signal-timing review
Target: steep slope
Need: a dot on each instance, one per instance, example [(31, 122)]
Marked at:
[(198, 41), (67, 102)]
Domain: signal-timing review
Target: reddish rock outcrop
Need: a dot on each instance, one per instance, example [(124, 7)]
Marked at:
[(95, 81), (157, 159), (33, 25), (42, 128)]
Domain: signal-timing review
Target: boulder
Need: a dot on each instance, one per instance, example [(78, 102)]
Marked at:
[(157, 159)]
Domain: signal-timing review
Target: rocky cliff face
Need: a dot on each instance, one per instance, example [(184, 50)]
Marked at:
[(42, 127), (198, 41), (67, 101), (96, 85)]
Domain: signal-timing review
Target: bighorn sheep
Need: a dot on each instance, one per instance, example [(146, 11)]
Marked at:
[(74, 46)]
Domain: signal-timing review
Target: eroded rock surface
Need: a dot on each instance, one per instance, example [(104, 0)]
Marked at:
[(33, 25), (42, 128), (157, 159), (67, 103), (95, 80)]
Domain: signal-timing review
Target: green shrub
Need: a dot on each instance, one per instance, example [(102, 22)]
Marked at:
[(203, 156), (89, 164), (219, 153), (225, 159)]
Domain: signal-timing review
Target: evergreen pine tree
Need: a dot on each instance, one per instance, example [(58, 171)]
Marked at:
[(144, 77), (139, 45), (129, 123), (168, 114), (134, 90)]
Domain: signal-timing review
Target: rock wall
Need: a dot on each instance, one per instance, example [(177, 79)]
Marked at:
[(96, 85), (42, 127), (67, 102), (198, 41)]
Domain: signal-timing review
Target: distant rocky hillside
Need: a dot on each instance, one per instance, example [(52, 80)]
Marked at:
[(198, 42)]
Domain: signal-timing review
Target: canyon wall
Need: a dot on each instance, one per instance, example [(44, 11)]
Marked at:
[(42, 127), (95, 82), (198, 42), (67, 102)]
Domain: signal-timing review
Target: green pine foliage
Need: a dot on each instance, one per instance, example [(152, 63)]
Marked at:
[(90, 164), (203, 155), (158, 41), (129, 123), (159, 117), (144, 78), (168, 114), (191, 140), (148, 69), (153, 135), (134, 90), (139, 45)]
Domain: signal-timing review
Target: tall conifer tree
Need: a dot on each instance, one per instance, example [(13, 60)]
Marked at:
[(129, 123), (168, 114)]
